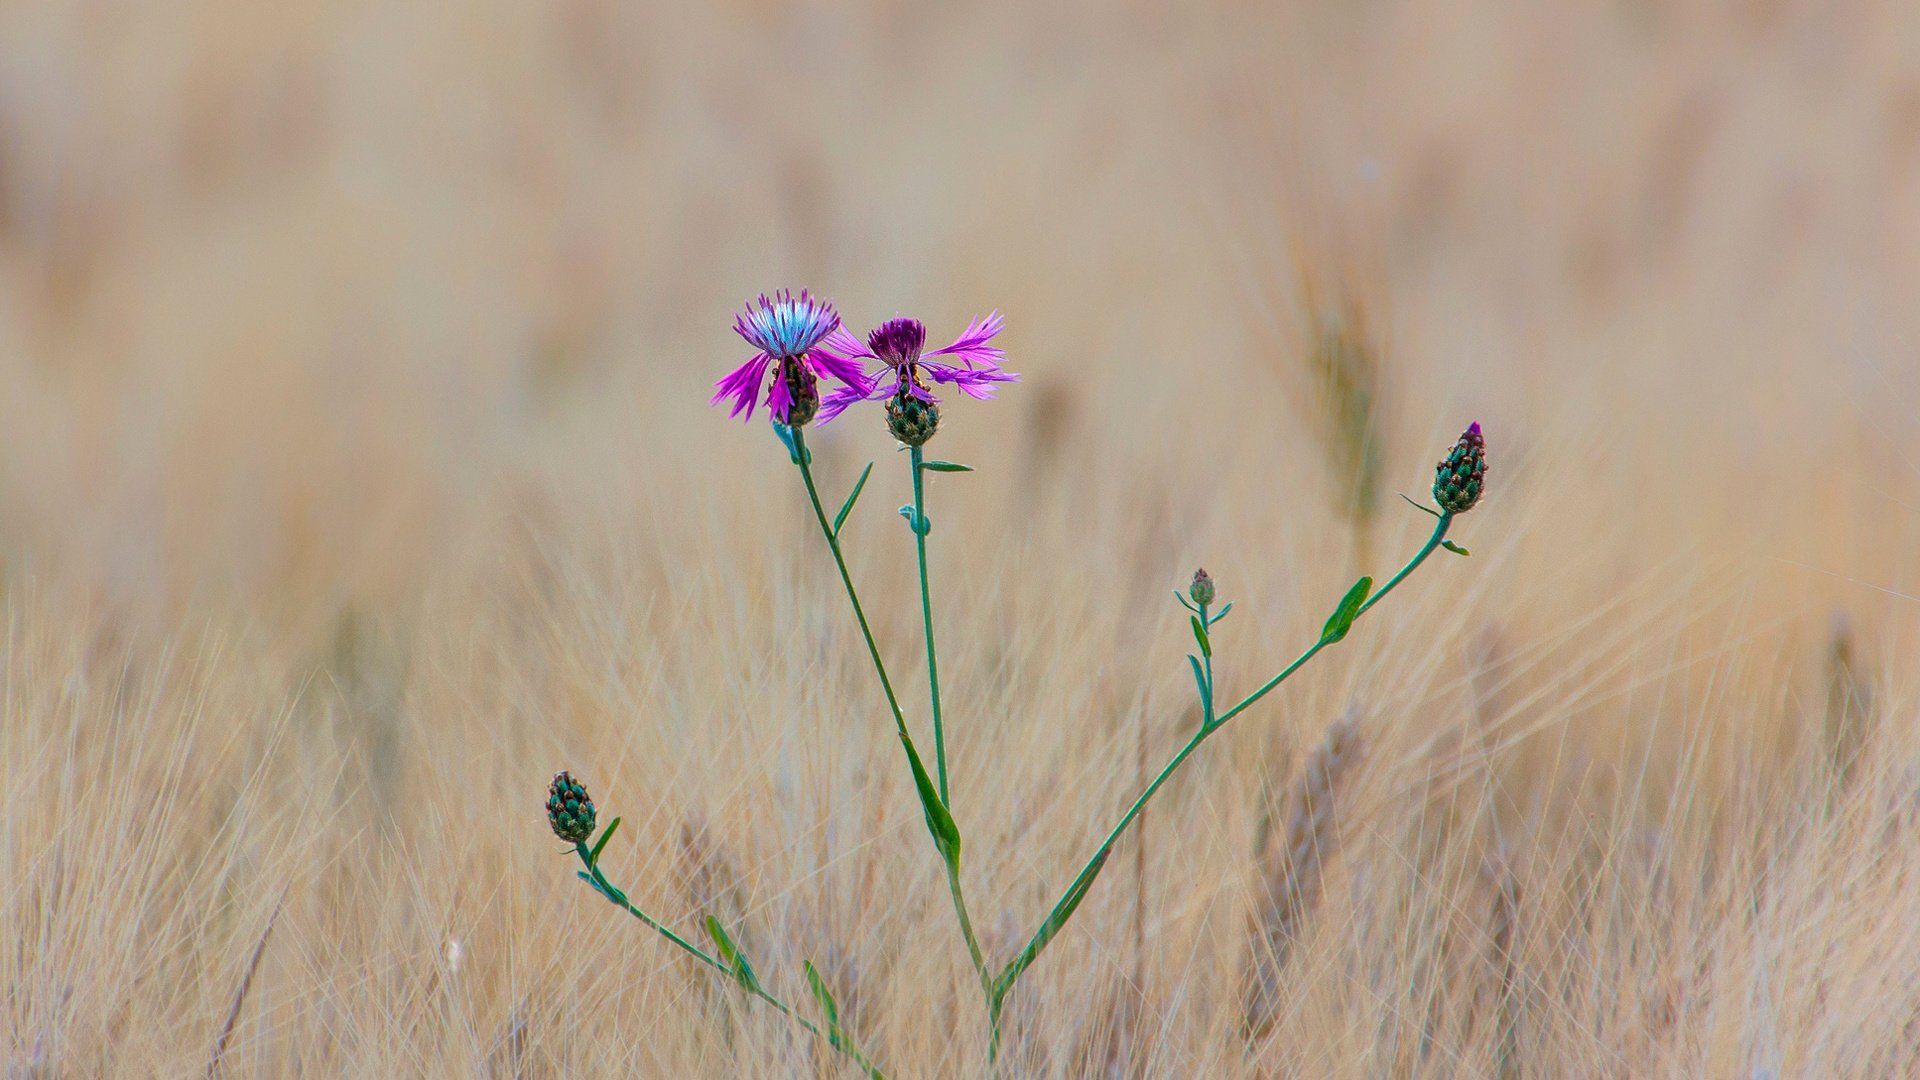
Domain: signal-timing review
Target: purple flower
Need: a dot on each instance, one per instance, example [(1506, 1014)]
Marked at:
[(898, 344), (794, 332)]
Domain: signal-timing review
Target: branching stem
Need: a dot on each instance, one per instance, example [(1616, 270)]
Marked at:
[(1004, 983), (837, 1040), (804, 461)]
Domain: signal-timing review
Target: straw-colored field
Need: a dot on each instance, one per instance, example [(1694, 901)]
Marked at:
[(358, 474)]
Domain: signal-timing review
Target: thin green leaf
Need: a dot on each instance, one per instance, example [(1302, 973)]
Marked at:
[(1184, 602), (731, 955), (1422, 507), (1055, 920), (1200, 635), (946, 466), (588, 878), (1455, 548), (829, 1009), (599, 845), (607, 888), (1199, 679), (1342, 618), (1221, 614), (847, 507), (946, 834)]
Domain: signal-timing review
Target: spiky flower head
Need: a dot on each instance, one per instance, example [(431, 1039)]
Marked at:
[(908, 371), (912, 420), (1460, 476), (1202, 588), (569, 809), (789, 334), (898, 342)]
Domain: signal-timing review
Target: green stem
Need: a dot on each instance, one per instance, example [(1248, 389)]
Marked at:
[(837, 1040), (1439, 533), (619, 898), (966, 931), (926, 620), (1206, 690), (804, 460), (1004, 984)]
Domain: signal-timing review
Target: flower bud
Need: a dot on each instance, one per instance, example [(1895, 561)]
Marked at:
[(569, 809), (1459, 477), (1202, 588), (911, 420), (803, 392)]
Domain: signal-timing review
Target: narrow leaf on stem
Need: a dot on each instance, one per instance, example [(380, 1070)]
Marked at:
[(1200, 635), (1055, 920), (731, 955), (1221, 614), (946, 834), (1455, 548), (1422, 507), (1342, 618), (946, 466), (1184, 602), (846, 508), (588, 878), (599, 845), (1199, 679), (829, 1009)]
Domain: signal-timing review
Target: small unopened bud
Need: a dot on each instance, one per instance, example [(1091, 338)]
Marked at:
[(569, 809), (911, 420), (1202, 588), (803, 392), (1458, 479)]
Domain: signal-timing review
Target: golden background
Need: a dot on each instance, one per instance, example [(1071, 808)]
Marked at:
[(358, 473)]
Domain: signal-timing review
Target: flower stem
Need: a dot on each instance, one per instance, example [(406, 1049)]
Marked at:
[(804, 460), (1439, 533), (836, 1039), (926, 620), (1062, 909), (966, 931), (1206, 688)]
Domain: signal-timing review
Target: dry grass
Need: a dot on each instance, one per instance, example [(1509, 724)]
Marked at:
[(357, 476)]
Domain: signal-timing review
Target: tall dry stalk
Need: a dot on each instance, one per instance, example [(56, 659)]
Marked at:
[(1291, 869), (240, 992), (1502, 914)]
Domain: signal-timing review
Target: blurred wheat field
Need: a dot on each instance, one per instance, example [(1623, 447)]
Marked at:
[(358, 475)]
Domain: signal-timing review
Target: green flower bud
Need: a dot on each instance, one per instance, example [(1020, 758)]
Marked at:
[(569, 809), (1202, 588), (911, 420), (1460, 476)]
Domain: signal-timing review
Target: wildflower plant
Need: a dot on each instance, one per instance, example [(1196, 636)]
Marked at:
[(798, 340)]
